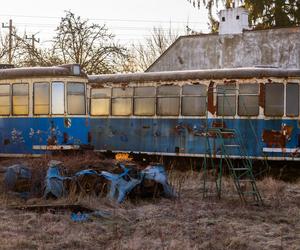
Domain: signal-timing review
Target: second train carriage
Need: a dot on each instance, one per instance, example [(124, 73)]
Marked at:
[(42, 109), (170, 113)]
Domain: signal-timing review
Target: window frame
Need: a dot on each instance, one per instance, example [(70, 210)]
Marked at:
[(265, 98), (12, 99), (67, 95), (51, 95), (193, 95), (121, 97), (33, 98), (171, 96), (105, 98), (292, 83), (239, 95), (224, 96), (9, 97), (137, 97)]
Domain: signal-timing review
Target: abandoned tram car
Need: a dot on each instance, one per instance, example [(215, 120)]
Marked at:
[(172, 113), (163, 113), (42, 109)]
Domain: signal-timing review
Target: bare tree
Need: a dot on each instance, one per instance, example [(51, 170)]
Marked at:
[(147, 52), (91, 45)]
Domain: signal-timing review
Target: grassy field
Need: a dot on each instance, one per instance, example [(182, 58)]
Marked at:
[(189, 222)]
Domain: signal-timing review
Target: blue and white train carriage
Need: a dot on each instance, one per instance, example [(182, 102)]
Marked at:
[(162, 113), (42, 108), (170, 113)]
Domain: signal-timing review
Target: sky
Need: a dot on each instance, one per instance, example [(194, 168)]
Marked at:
[(130, 20)]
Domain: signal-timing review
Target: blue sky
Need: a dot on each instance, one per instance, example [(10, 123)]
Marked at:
[(131, 20)]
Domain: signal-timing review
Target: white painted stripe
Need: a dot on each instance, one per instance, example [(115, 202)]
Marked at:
[(20, 155), (281, 150), (55, 147)]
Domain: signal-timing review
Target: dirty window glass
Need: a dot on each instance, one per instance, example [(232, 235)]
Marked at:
[(168, 106), (292, 99), (144, 101), (122, 101), (144, 91), (20, 99), (248, 100), (58, 98), (5, 99), (193, 100), (274, 99), (121, 106), (168, 90), (41, 98), (100, 101), (226, 100), (168, 100), (122, 92), (76, 98)]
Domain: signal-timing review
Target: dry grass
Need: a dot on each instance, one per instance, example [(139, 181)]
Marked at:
[(189, 222)]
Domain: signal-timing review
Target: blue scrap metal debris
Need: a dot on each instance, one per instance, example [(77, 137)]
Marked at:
[(17, 179), (120, 184)]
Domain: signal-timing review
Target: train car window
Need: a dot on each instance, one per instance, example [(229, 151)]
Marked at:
[(248, 100), (20, 94), (193, 100), (41, 98), (122, 101), (100, 101), (226, 100), (76, 98), (5, 99), (274, 99), (168, 100), (58, 98), (144, 101), (292, 99)]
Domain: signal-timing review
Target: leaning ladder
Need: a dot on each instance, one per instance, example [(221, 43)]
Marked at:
[(226, 141)]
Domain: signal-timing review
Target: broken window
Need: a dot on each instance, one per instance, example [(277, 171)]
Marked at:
[(58, 98), (292, 99), (20, 99), (5, 99), (248, 99), (41, 98), (274, 99), (100, 101), (76, 98), (122, 101), (226, 100), (193, 100), (144, 101), (168, 100)]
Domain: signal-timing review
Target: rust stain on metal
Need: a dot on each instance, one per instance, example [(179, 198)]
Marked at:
[(277, 138), (210, 98), (262, 91)]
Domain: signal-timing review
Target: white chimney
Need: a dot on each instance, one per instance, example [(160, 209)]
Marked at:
[(233, 21)]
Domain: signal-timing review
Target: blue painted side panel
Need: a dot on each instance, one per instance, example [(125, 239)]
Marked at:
[(18, 135), (184, 135)]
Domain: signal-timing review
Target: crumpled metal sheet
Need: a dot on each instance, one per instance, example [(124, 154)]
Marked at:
[(120, 185)]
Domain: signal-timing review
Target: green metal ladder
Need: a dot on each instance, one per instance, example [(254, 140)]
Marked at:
[(225, 140)]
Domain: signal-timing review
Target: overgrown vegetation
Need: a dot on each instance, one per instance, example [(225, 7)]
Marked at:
[(189, 222)]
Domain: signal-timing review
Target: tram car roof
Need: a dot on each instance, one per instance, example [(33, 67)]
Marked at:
[(207, 74), (31, 72)]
